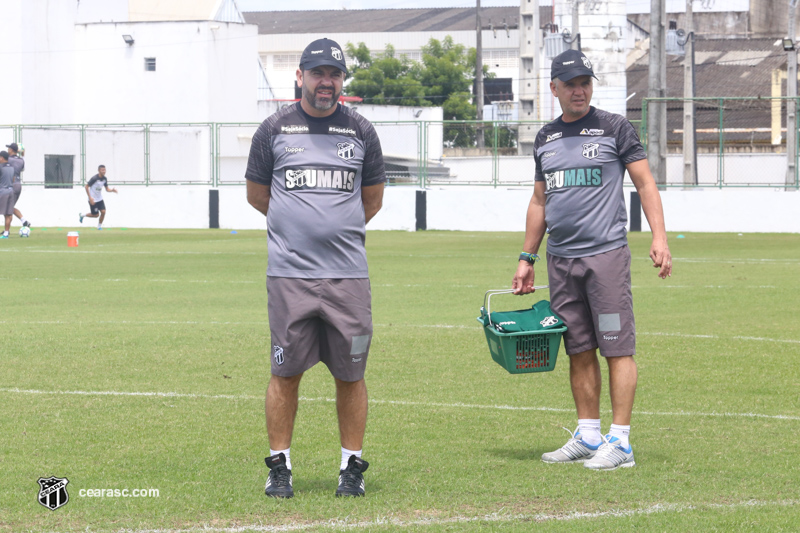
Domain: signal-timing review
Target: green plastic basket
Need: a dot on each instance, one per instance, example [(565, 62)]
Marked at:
[(522, 352)]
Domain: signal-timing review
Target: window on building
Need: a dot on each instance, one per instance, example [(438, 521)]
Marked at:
[(501, 58), (285, 61), (58, 171), (150, 64)]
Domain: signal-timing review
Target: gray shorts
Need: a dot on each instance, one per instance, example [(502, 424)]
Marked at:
[(6, 202), (17, 191), (592, 295), (313, 320)]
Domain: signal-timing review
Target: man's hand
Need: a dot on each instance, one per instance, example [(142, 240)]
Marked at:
[(662, 259), (91, 201), (523, 279)]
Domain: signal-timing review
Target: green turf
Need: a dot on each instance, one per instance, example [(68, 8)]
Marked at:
[(453, 440)]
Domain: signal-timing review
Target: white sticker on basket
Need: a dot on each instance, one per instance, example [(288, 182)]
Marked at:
[(549, 321)]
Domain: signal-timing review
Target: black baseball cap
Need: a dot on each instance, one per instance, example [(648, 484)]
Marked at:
[(4, 155), (323, 52), (13, 146), (571, 64)]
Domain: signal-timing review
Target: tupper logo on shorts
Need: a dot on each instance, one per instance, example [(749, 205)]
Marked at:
[(277, 353), (313, 178), (53, 492)]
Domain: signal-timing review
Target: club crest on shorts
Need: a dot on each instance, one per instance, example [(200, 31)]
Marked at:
[(346, 151), (591, 150), (53, 492), (277, 353)]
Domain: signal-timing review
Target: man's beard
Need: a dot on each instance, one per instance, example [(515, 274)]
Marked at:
[(311, 98)]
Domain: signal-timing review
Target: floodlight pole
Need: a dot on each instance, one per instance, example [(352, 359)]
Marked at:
[(657, 82), (689, 130), (791, 93), (576, 29), (479, 73)]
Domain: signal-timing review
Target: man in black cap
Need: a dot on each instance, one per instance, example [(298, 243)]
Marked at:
[(581, 159), (16, 160), (316, 172)]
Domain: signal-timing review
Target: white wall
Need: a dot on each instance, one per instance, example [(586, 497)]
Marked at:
[(204, 72), (457, 209), (68, 64)]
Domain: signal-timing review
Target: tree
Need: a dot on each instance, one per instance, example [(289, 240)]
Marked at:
[(386, 80), (444, 78)]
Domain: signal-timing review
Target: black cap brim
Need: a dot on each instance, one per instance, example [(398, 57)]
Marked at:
[(320, 62), (574, 73)]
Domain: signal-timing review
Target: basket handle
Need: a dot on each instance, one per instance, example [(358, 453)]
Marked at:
[(487, 298)]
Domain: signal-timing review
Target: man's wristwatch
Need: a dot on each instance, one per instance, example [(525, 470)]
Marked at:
[(530, 258)]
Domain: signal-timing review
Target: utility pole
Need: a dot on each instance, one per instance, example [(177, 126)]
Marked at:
[(657, 79), (479, 73), (689, 130), (791, 93), (575, 25)]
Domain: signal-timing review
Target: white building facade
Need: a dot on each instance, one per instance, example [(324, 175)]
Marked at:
[(100, 61)]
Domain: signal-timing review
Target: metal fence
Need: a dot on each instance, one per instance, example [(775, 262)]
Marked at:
[(740, 142)]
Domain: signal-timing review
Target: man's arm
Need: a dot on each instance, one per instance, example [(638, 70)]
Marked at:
[(258, 196), (91, 200), (651, 205), (535, 227), (372, 197), (110, 190)]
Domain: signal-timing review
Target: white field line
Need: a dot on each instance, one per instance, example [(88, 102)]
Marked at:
[(748, 261), (421, 326), (500, 517), (123, 252), (456, 405)]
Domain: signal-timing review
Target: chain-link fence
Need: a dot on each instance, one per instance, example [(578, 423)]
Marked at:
[(740, 142), (482, 153), (63, 156)]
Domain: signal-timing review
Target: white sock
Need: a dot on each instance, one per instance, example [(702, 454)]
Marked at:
[(346, 456), (622, 433), (589, 429), (99, 225), (284, 452)]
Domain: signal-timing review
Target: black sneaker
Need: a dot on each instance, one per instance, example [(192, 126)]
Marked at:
[(27, 224), (279, 482), (351, 480)]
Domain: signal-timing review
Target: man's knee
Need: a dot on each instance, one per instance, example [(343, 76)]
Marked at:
[(285, 384)]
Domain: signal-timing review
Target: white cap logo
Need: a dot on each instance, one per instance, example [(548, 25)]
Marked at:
[(586, 62), (336, 53)]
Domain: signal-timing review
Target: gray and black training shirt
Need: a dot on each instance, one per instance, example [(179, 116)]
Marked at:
[(315, 168), (583, 164)]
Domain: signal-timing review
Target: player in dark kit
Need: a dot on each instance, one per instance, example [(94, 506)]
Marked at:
[(15, 159), (94, 190), (316, 171), (581, 159)]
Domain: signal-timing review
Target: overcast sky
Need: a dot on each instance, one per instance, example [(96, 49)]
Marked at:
[(272, 5)]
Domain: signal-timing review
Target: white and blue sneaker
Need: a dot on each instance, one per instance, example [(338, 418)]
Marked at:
[(611, 455), (574, 451)]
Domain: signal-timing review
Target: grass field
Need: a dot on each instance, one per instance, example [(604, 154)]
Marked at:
[(140, 359)]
